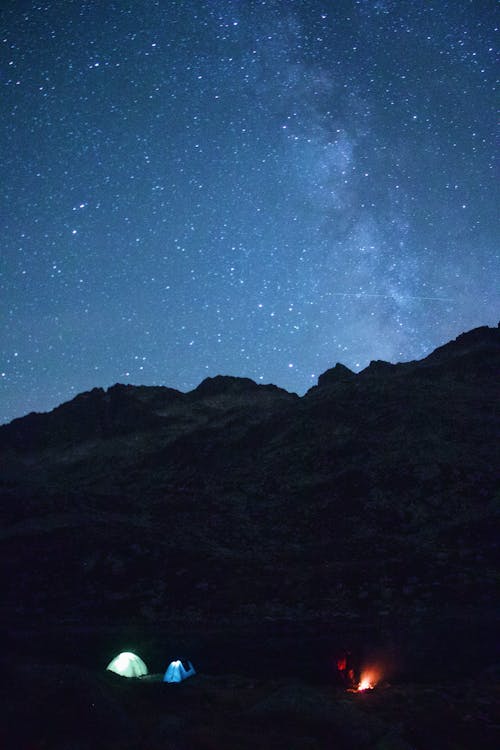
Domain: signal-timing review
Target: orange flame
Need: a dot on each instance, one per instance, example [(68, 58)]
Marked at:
[(369, 678)]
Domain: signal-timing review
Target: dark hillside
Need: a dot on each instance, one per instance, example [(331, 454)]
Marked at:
[(243, 518)]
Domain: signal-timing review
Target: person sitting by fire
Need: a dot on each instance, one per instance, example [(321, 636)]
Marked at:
[(348, 669)]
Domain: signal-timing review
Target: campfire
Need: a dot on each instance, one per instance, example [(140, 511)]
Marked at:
[(358, 680), (369, 678)]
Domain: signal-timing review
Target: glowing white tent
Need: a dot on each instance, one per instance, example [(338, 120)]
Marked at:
[(176, 672), (127, 664)]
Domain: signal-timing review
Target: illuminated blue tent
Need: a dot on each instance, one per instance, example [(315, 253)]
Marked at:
[(176, 672)]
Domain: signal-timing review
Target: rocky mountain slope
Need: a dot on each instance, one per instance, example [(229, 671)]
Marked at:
[(366, 509)]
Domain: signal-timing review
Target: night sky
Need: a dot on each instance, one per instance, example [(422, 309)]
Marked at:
[(244, 187)]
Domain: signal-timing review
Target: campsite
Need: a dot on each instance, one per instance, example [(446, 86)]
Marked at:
[(326, 565), (77, 705)]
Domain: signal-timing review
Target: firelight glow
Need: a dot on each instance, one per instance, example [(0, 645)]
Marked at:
[(369, 679)]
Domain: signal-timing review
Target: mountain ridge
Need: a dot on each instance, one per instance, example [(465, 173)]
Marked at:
[(464, 345)]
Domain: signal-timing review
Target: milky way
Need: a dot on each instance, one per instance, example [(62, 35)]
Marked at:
[(240, 187)]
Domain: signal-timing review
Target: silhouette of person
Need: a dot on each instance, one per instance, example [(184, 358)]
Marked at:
[(348, 670)]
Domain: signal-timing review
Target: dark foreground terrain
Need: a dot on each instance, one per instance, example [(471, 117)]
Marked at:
[(70, 708), (261, 535)]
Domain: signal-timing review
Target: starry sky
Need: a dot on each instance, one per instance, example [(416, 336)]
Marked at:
[(259, 188)]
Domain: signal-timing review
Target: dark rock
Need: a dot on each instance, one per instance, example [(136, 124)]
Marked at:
[(379, 368), (224, 384), (228, 386), (482, 339), (338, 374)]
